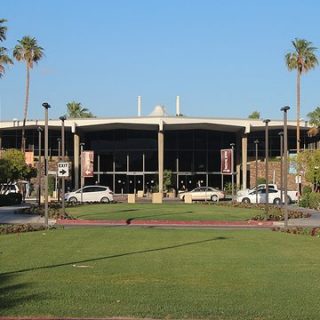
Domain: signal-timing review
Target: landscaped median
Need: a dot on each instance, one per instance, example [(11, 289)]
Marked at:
[(176, 215)]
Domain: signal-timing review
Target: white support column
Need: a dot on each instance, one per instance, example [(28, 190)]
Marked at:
[(244, 145), (160, 156), (76, 156)]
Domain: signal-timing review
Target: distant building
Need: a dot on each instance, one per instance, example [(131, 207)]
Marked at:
[(131, 153)]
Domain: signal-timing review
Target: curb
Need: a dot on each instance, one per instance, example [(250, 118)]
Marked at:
[(168, 223)]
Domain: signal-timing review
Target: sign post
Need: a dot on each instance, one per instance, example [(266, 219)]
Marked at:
[(63, 169)]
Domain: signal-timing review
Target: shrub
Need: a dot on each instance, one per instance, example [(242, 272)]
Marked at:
[(18, 228), (261, 180), (306, 190), (310, 200)]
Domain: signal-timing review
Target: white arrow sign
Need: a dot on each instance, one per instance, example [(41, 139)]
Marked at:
[(63, 169)]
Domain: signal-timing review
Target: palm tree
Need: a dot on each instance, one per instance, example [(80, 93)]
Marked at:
[(27, 50), (4, 58), (75, 110), (3, 30), (302, 59)]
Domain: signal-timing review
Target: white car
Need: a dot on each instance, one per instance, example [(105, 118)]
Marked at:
[(204, 193), (274, 197), (260, 186), (92, 193), (8, 188)]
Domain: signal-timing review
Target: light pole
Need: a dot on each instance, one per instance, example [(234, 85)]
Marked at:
[(39, 165), (59, 158), (256, 143), (62, 118), (285, 163), (82, 144), (46, 164), (266, 121), (281, 167), (232, 177)]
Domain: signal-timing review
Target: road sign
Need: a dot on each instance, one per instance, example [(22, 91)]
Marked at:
[(63, 169)]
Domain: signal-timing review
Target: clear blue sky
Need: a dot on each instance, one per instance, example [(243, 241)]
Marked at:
[(223, 58)]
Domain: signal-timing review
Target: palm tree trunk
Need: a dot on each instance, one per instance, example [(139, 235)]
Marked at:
[(298, 110), (25, 112)]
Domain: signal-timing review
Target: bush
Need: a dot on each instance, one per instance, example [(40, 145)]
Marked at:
[(17, 228), (310, 200), (261, 180), (306, 190)]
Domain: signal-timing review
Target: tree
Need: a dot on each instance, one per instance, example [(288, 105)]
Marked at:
[(4, 58), (302, 59), (254, 115), (75, 110), (13, 167), (314, 117), (309, 162), (28, 51)]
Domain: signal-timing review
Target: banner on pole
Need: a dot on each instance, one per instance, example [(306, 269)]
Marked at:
[(226, 161), (87, 164)]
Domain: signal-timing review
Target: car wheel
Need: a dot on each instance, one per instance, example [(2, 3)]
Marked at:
[(214, 198), (73, 200), (105, 200), (277, 201), (246, 200)]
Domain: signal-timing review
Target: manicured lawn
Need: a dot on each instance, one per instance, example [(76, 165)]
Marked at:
[(176, 211), (160, 273)]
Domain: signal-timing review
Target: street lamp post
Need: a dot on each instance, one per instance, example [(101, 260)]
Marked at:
[(59, 158), (63, 118), (256, 142), (46, 164), (266, 121), (285, 163), (281, 167), (39, 165), (232, 166), (82, 144)]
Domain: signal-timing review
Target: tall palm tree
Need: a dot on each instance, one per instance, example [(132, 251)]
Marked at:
[(302, 59), (4, 58), (75, 110), (27, 50)]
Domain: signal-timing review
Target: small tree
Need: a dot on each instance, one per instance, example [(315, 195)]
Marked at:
[(309, 162), (167, 179), (76, 110), (254, 115), (13, 167)]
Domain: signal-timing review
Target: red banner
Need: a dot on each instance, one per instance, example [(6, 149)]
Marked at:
[(87, 164), (226, 161)]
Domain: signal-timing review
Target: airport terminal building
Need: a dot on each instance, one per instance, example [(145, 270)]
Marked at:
[(131, 154)]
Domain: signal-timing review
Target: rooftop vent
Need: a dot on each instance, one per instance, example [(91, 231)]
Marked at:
[(159, 111)]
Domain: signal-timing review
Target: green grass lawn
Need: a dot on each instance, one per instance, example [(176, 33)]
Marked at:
[(160, 273), (176, 211)]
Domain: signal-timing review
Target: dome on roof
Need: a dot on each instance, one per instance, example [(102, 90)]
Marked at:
[(158, 111)]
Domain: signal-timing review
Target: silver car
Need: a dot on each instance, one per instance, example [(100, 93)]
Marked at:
[(93, 193), (204, 193)]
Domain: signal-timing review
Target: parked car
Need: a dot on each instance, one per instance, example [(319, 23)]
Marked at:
[(292, 195), (94, 193), (203, 193), (274, 196), (8, 188)]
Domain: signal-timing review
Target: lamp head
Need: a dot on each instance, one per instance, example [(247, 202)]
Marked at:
[(232, 144), (266, 121), (285, 109), (46, 105), (256, 141), (280, 133), (63, 118), (39, 129)]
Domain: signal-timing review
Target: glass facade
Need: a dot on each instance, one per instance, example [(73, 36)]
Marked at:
[(127, 160)]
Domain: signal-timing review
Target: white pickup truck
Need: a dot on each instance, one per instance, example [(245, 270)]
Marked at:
[(292, 195)]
